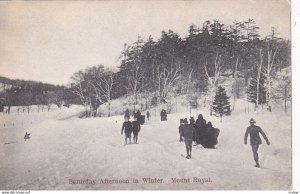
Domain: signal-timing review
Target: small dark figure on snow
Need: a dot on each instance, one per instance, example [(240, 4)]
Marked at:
[(200, 129), (163, 115), (148, 115), (187, 132), (136, 127), (211, 136), (27, 136), (127, 114), (127, 128), (255, 139)]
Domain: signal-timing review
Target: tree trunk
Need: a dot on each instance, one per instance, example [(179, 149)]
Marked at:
[(285, 91), (109, 109)]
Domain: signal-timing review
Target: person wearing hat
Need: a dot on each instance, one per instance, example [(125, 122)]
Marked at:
[(200, 129), (187, 133), (255, 140), (127, 128)]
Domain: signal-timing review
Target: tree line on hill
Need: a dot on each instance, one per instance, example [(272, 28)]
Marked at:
[(172, 65), (23, 94)]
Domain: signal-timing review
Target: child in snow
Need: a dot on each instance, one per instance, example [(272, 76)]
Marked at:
[(255, 139), (136, 127), (187, 133), (127, 127)]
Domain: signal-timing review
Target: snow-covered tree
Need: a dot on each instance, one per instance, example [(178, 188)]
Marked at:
[(221, 104)]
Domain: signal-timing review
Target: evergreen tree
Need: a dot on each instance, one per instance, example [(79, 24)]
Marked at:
[(221, 105), (252, 91)]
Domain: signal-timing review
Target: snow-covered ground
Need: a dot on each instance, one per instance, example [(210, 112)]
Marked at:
[(64, 147)]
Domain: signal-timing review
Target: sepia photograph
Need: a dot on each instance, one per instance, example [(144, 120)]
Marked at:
[(146, 95)]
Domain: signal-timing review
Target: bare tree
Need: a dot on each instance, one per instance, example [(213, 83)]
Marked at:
[(106, 86), (271, 52), (259, 64), (166, 77), (213, 79), (80, 88)]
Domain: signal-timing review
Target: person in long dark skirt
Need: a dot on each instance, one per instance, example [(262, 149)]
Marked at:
[(200, 129)]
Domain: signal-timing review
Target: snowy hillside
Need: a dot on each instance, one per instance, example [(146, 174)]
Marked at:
[(64, 147)]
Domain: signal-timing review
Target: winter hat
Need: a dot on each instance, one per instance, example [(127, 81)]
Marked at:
[(192, 120), (200, 116), (252, 120), (209, 124), (185, 121)]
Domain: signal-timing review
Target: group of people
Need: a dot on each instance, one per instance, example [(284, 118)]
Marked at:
[(133, 127), (129, 128), (199, 132)]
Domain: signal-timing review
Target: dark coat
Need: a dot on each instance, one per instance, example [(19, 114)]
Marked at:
[(201, 124), (211, 137), (137, 114), (254, 132), (187, 131), (136, 127), (127, 127), (201, 129)]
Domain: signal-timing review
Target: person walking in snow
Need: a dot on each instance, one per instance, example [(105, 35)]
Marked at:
[(200, 129), (148, 115), (127, 114), (136, 127), (255, 140), (187, 133), (163, 115), (192, 123), (127, 128), (180, 129)]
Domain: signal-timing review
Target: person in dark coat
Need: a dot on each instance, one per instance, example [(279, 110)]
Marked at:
[(200, 129), (211, 136), (163, 115), (180, 129), (137, 114), (127, 128), (255, 140), (127, 114), (136, 127), (187, 133), (148, 115), (192, 123)]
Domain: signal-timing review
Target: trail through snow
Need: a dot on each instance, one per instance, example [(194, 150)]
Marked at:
[(65, 147)]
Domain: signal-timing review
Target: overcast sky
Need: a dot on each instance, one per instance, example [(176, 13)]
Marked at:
[(49, 41)]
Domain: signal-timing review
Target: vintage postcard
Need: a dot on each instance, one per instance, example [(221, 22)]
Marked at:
[(145, 95)]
